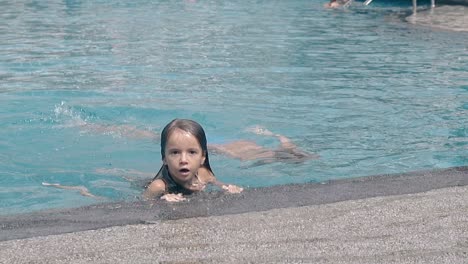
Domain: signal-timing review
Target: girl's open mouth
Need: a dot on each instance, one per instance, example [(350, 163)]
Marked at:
[(184, 171)]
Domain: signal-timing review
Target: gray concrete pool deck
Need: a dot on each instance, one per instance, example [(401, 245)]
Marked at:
[(419, 217)]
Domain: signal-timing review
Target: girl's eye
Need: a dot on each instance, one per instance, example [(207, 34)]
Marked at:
[(193, 152), (174, 152)]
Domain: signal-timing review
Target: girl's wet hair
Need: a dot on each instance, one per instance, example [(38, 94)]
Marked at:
[(188, 126)]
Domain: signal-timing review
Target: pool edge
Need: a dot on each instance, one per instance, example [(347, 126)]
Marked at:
[(99, 216)]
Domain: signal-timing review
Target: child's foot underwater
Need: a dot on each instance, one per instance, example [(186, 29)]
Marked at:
[(259, 130)]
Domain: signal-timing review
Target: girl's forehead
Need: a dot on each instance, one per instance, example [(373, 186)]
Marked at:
[(179, 136)]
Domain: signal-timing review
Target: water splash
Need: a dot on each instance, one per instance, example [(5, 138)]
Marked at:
[(68, 117)]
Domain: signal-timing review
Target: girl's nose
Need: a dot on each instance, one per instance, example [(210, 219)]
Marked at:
[(183, 157)]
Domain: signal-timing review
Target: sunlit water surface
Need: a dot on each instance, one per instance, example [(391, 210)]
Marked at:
[(361, 87)]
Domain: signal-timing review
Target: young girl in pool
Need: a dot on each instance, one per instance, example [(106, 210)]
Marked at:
[(186, 165)]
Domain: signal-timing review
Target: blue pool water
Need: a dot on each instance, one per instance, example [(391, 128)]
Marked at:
[(367, 91)]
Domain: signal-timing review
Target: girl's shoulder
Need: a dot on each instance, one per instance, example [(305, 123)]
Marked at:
[(158, 185), (155, 188)]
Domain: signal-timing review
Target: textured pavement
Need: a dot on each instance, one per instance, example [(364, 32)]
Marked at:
[(422, 227)]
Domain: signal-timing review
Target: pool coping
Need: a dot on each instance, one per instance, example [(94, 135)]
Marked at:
[(51, 222)]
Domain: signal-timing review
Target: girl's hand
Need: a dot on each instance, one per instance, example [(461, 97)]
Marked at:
[(172, 197), (230, 188), (196, 186)]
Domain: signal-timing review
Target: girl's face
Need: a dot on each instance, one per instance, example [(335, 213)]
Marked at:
[(183, 157)]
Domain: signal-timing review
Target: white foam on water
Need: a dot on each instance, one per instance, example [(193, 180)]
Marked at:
[(68, 116)]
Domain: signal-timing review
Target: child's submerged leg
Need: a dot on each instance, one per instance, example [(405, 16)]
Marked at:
[(127, 131), (83, 190)]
